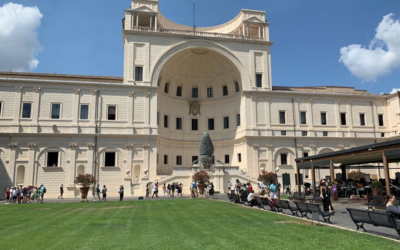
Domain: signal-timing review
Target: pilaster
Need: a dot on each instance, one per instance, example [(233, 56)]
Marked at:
[(11, 163), (31, 165), (75, 111), (71, 166), (17, 110), (35, 109), (256, 167), (270, 149)]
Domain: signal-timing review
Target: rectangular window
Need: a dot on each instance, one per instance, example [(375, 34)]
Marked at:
[(52, 159), (283, 159), (110, 159), (325, 133), (226, 122), (165, 121), (237, 88), (305, 154), (210, 93), (282, 117), (195, 92), (343, 118), (179, 91), (283, 132), (239, 157), (238, 120), (158, 118), (84, 115), (112, 113), (382, 135), (259, 80), (224, 90), (139, 74), (26, 110), (226, 159), (178, 160), (165, 159), (362, 119), (55, 111), (178, 123), (323, 118), (195, 125), (211, 124), (166, 88), (303, 133), (194, 159), (380, 119), (1, 109), (303, 118)]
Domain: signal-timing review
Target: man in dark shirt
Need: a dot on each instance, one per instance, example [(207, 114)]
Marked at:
[(172, 189)]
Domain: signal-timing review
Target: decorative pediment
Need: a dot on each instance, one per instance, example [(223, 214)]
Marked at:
[(144, 9), (253, 20)]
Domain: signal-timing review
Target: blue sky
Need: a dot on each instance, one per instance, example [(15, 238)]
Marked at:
[(84, 37)]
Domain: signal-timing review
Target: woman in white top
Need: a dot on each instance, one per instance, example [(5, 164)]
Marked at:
[(229, 186)]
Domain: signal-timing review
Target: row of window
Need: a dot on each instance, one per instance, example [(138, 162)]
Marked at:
[(196, 158), (195, 90), (195, 122), (343, 121)]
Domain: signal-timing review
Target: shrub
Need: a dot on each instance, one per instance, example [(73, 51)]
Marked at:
[(85, 180), (267, 177), (201, 177), (376, 184)]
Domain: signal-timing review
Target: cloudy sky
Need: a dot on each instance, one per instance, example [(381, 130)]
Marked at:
[(350, 43)]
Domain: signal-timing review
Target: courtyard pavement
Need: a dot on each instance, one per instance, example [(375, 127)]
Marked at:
[(340, 219)]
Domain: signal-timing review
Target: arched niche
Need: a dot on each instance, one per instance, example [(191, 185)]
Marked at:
[(81, 169), (20, 175), (136, 174)]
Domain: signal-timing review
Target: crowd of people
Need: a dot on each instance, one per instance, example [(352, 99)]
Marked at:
[(171, 190), (24, 195)]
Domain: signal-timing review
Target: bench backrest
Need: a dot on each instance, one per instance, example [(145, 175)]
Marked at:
[(380, 219), (302, 206), (313, 207), (229, 196), (296, 194), (285, 204), (358, 215), (379, 201), (259, 201), (265, 201), (235, 197)]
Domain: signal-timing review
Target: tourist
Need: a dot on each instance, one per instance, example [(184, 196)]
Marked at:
[(164, 188), (147, 191), (24, 194), (249, 187), (42, 191), (35, 195), (238, 186), (157, 189), (194, 189), (229, 186), (251, 199), (324, 193), (259, 189), (20, 195), (288, 190), (7, 196), (154, 191), (391, 208), (177, 188), (121, 192), (61, 192), (97, 192), (181, 189), (278, 188), (206, 190), (172, 189), (169, 190), (104, 192), (272, 189)]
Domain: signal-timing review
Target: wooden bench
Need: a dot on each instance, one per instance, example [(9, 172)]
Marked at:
[(314, 199), (277, 205), (312, 208), (377, 201), (286, 205), (244, 201), (235, 198), (298, 196), (302, 209), (259, 202), (378, 219), (266, 204)]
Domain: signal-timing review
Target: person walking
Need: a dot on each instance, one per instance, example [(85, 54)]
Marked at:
[(273, 190), (180, 189), (61, 192), (229, 186), (42, 191), (154, 190), (7, 196), (104, 192), (238, 186), (35, 195), (172, 189), (164, 189), (147, 191), (169, 190), (121, 192), (324, 195), (97, 193)]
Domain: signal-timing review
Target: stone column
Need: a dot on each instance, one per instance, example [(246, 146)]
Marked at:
[(129, 127), (268, 116), (270, 149), (31, 166), (128, 167), (35, 110), (146, 163), (244, 31), (75, 111), (132, 21), (146, 127), (17, 110), (259, 32), (297, 113), (254, 111), (11, 163), (151, 22), (71, 170), (350, 119), (256, 168), (310, 114), (92, 109), (248, 31), (155, 23), (137, 21)]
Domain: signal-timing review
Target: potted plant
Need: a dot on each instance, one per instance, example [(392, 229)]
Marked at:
[(377, 188), (201, 177), (356, 175), (85, 180), (334, 190), (266, 177)]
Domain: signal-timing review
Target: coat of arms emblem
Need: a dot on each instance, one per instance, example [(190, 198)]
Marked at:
[(194, 108)]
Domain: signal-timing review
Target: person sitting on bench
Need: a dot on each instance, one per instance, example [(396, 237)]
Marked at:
[(392, 209), (251, 199)]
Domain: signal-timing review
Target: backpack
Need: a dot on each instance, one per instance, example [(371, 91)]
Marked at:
[(44, 190)]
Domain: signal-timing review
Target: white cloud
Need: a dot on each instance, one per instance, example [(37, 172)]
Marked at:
[(382, 55), (19, 43), (394, 90)]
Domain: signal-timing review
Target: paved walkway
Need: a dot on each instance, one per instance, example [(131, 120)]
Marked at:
[(341, 217)]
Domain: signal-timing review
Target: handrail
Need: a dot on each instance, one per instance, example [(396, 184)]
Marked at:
[(197, 33)]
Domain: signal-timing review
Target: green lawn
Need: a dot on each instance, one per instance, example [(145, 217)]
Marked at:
[(168, 224)]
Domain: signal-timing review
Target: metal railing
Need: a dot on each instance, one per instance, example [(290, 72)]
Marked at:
[(198, 33)]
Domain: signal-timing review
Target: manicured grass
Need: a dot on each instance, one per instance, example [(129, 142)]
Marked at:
[(168, 224)]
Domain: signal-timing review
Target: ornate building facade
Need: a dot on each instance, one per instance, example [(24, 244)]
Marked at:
[(179, 82)]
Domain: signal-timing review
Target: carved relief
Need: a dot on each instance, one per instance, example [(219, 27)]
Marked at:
[(270, 147), (130, 93), (32, 146), (147, 94), (194, 108), (336, 101), (129, 146), (256, 146), (309, 100), (341, 147), (90, 146), (94, 92), (13, 146), (18, 89), (73, 146), (254, 98), (77, 91), (146, 146), (37, 89), (313, 147)]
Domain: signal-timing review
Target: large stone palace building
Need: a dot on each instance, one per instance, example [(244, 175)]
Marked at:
[(179, 82)]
